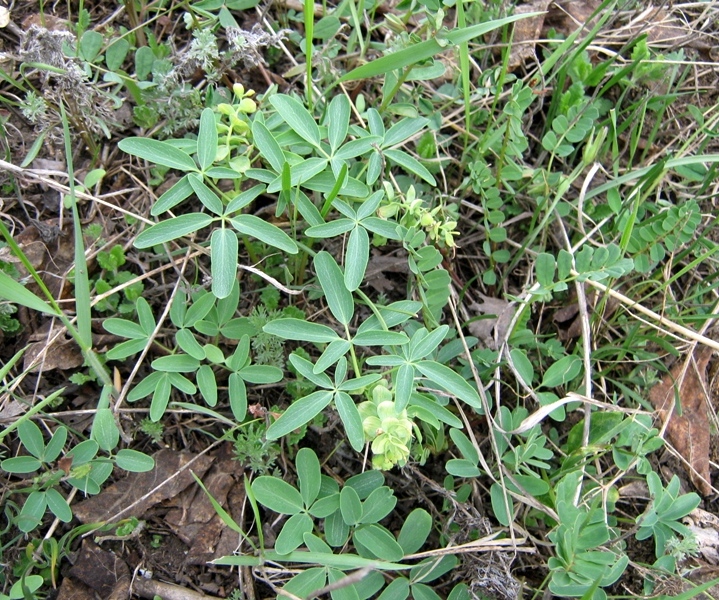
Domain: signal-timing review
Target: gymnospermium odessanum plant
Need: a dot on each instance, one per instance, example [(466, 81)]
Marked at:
[(343, 171)]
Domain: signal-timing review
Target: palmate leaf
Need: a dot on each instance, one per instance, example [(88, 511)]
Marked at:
[(339, 298), (265, 232), (450, 381), (207, 139), (297, 117), (160, 153), (299, 330), (351, 419), (356, 258), (223, 261), (172, 229), (338, 119), (299, 413)]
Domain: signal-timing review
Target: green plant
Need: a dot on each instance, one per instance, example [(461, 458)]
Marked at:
[(350, 513), (86, 471), (661, 520)]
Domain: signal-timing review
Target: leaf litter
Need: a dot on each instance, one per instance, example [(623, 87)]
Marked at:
[(681, 400)]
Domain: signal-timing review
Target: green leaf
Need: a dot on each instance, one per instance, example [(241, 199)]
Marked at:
[(351, 419), (307, 581), (422, 51), (240, 201), (423, 345), (378, 337), (277, 495), (339, 298), (302, 331), (356, 258), (238, 397), (261, 374), (160, 397), (464, 445), (325, 506), (265, 232), (562, 371), (223, 261), (439, 411), (523, 365), (300, 412), (366, 483), (378, 505), (404, 386), (338, 119), (410, 164), (56, 444), (134, 461), (501, 501), (334, 351), (309, 475), (104, 429), (397, 590), (207, 139), (450, 381), (90, 45), (208, 198), (380, 542), (461, 467), (58, 505), (305, 368), (31, 437), (32, 512), (331, 229), (116, 53), (207, 384), (415, 531), (297, 117), (20, 464), (176, 363), (160, 153), (544, 266), (268, 146), (403, 130), (172, 229), (292, 535), (14, 292), (350, 505)]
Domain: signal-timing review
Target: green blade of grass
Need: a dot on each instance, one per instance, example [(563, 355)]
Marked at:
[(427, 49)]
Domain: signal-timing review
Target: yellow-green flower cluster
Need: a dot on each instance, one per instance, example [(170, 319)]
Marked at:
[(437, 222), (388, 431), (234, 128)]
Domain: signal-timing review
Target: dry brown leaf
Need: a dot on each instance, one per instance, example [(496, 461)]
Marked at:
[(161, 483), (498, 313), (103, 571), (527, 32), (196, 522), (689, 432)]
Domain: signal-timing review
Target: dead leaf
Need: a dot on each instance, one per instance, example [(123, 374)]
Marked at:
[(527, 32), (103, 571), (705, 527), (63, 353), (689, 432), (381, 264), (196, 522), (166, 480), (498, 316)]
